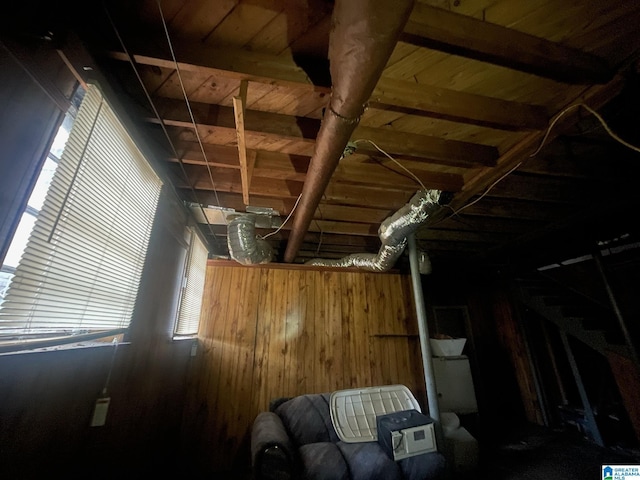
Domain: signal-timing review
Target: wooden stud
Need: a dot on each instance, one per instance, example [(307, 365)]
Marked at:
[(239, 102)]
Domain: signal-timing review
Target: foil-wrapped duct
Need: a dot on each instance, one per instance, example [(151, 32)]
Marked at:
[(244, 246), (393, 234)]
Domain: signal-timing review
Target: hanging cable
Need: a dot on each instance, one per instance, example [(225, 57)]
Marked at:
[(392, 159), (113, 360), (285, 221), (595, 114), (132, 62), (542, 143), (455, 212), (186, 99)]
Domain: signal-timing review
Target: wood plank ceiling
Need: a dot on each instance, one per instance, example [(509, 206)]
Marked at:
[(463, 103)]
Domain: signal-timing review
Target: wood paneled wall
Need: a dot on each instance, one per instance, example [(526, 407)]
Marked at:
[(269, 332)]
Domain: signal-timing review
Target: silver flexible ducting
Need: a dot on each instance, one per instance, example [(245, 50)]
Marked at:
[(244, 246), (393, 234)]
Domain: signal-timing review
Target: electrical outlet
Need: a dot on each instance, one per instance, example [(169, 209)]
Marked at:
[(100, 412)]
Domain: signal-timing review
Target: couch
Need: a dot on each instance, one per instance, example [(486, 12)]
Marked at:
[(296, 439)]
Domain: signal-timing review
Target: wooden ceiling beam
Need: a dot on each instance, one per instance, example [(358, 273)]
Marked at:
[(246, 161), (442, 103), (430, 149), (324, 226), (473, 38), (286, 191), (279, 166), (389, 94), (596, 97)]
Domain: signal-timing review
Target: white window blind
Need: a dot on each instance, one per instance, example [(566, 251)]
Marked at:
[(81, 267), (193, 288)]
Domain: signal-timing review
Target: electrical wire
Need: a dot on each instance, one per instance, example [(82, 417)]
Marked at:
[(488, 189), (285, 221), (113, 359), (392, 159), (159, 118), (595, 114), (186, 99), (542, 143)]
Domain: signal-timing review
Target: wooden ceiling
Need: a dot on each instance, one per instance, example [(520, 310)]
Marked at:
[(464, 101)]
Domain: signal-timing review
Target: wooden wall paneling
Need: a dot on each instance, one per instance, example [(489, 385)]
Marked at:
[(308, 345), (334, 329), (293, 367), (226, 426), (241, 413), (301, 331), (215, 427), (356, 322), (263, 339)]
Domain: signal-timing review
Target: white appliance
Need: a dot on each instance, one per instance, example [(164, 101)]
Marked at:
[(454, 384)]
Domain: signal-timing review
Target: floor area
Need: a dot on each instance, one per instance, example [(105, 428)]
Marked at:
[(537, 453)]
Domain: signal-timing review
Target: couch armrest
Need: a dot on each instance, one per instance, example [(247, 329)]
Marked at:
[(273, 456)]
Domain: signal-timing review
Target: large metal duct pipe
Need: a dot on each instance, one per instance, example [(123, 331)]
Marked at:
[(393, 233), (363, 36)]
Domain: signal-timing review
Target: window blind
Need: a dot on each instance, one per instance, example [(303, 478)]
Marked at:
[(193, 289), (82, 264)]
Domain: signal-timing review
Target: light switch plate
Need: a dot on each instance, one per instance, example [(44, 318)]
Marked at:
[(100, 412)]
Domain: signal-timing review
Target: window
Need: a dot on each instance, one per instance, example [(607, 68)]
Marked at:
[(79, 271), (192, 288)]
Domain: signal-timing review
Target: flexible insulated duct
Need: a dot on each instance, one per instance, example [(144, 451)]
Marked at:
[(363, 36), (245, 246), (393, 234)]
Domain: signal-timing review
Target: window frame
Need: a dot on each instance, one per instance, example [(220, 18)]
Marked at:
[(54, 339)]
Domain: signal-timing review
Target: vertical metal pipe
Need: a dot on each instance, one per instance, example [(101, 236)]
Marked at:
[(423, 330), (586, 404), (616, 309)]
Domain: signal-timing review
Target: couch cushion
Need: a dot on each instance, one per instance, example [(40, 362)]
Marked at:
[(307, 419), (323, 461), (428, 465), (367, 461)]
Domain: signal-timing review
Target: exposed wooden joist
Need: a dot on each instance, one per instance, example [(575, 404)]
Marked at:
[(342, 213), (431, 149), (595, 97), (174, 113), (324, 226), (239, 102), (278, 193), (293, 167), (424, 100), (389, 94), (234, 63), (467, 36)]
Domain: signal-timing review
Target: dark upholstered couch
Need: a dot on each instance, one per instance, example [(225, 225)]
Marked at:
[(296, 439)]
